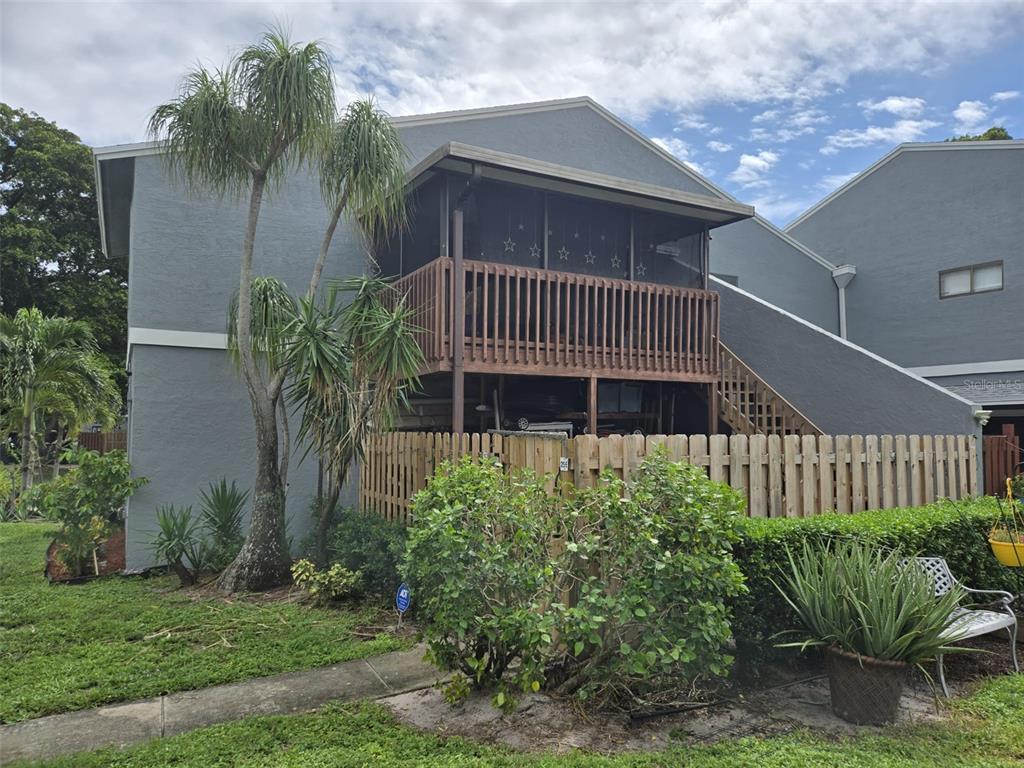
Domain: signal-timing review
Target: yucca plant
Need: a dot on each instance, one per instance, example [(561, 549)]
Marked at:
[(221, 518), (178, 540), (869, 602)]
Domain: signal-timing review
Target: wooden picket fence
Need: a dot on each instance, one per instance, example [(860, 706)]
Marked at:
[(104, 441), (791, 476)]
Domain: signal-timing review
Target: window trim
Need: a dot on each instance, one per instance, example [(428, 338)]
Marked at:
[(970, 268)]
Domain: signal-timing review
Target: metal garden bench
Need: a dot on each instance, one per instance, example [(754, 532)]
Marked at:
[(970, 622)]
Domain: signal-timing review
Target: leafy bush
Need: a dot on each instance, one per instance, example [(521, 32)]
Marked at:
[(493, 560), (868, 601), (177, 539), (479, 566), (654, 571), (7, 486), (325, 586), (86, 501), (371, 545), (222, 510), (955, 531)]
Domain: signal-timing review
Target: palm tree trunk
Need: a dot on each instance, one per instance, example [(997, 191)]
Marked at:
[(263, 560), (325, 244), (27, 406)]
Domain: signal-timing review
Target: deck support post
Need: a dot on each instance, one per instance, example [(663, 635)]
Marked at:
[(458, 326), (712, 408), (592, 406)]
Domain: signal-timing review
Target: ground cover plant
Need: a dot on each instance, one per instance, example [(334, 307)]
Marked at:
[(986, 730), (119, 638)]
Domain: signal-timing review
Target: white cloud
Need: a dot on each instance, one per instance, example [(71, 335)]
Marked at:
[(99, 68), (719, 146), (681, 150), (901, 106), (752, 168), (1005, 95), (834, 180), (971, 115), (901, 131), (780, 208), (786, 126)]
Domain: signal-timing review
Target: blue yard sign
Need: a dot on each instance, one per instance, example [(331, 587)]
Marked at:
[(402, 598)]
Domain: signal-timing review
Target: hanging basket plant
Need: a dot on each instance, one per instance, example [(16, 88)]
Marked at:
[(1007, 536)]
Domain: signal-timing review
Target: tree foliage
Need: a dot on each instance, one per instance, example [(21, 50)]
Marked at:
[(50, 255), (995, 133)]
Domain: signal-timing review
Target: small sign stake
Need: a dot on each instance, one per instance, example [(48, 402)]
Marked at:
[(403, 598)]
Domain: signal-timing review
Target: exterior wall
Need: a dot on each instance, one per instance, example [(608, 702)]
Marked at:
[(768, 266), (924, 211), (190, 425), (840, 387)]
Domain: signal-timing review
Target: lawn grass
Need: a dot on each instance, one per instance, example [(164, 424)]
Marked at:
[(986, 730), (68, 647)]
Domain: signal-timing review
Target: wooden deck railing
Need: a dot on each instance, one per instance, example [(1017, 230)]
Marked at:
[(527, 320)]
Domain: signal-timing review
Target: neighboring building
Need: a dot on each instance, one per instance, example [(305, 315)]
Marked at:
[(936, 233), (561, 264)]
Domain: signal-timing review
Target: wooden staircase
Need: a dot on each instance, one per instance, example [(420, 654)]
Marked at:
[(750, 406)]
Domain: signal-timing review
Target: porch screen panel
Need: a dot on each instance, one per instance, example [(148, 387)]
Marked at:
[(505, 225), (668, 250), (421, 241), (588, 237)]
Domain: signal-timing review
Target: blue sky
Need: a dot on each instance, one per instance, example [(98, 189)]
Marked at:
[(777, 102)]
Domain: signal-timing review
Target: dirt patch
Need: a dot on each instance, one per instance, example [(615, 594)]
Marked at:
[(110, 556), (797, 698)]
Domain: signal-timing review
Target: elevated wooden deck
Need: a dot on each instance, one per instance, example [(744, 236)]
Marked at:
[(522, 320)]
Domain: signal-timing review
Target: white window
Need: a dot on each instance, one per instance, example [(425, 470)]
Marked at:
[(978, 278)]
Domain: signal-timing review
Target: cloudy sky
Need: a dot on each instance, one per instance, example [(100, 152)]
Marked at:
[(776, 102)]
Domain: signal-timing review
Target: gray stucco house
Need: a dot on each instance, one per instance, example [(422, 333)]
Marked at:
[(564, 269), (936, 234)]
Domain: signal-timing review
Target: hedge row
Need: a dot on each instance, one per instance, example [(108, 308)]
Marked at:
[(957, 531)]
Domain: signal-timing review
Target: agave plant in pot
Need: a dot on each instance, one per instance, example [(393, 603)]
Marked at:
[(876, 616)]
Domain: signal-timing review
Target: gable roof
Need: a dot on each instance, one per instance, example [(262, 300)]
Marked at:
[(622, 125), (922, 146), (151, 147)]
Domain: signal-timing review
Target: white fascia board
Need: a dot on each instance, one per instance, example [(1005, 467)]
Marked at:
[(960, 369), (844, 342), (99, 202), (455, 115), (162, 337), (115, 151), (923, 146)]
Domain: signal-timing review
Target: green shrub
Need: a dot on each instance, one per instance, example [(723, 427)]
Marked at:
[(653, 571), (223, 507), (86, 501), (955, 531), (492, 559), (7, 486), (865, 600), (371, 545), (324, 586), (480, 570)]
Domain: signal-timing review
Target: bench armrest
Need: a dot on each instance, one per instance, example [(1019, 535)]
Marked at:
[(1004, 597)]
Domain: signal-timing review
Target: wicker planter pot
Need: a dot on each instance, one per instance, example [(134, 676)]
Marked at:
[(864, 691)]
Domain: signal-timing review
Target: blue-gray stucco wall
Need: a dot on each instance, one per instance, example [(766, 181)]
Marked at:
[(843, 389), (924, 211)]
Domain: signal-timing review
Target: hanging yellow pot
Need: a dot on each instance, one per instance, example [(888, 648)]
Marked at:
[(1007, 541)]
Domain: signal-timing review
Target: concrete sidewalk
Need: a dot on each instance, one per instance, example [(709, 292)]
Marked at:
[(147, 719)]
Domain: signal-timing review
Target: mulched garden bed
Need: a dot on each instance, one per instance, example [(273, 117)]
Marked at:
[(110, 556)]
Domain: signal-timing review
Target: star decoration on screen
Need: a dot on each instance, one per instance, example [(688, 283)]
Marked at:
[(641, 270), (563, 253), (576, 235), (616, 261), (588, 257), (521, 226), (534, 251), (602, 238), (510, 245)]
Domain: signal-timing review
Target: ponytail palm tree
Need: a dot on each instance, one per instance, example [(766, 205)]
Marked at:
[(51, 365), (239, 132)]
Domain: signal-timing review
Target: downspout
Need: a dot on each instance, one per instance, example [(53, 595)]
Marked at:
[(843, 276)]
